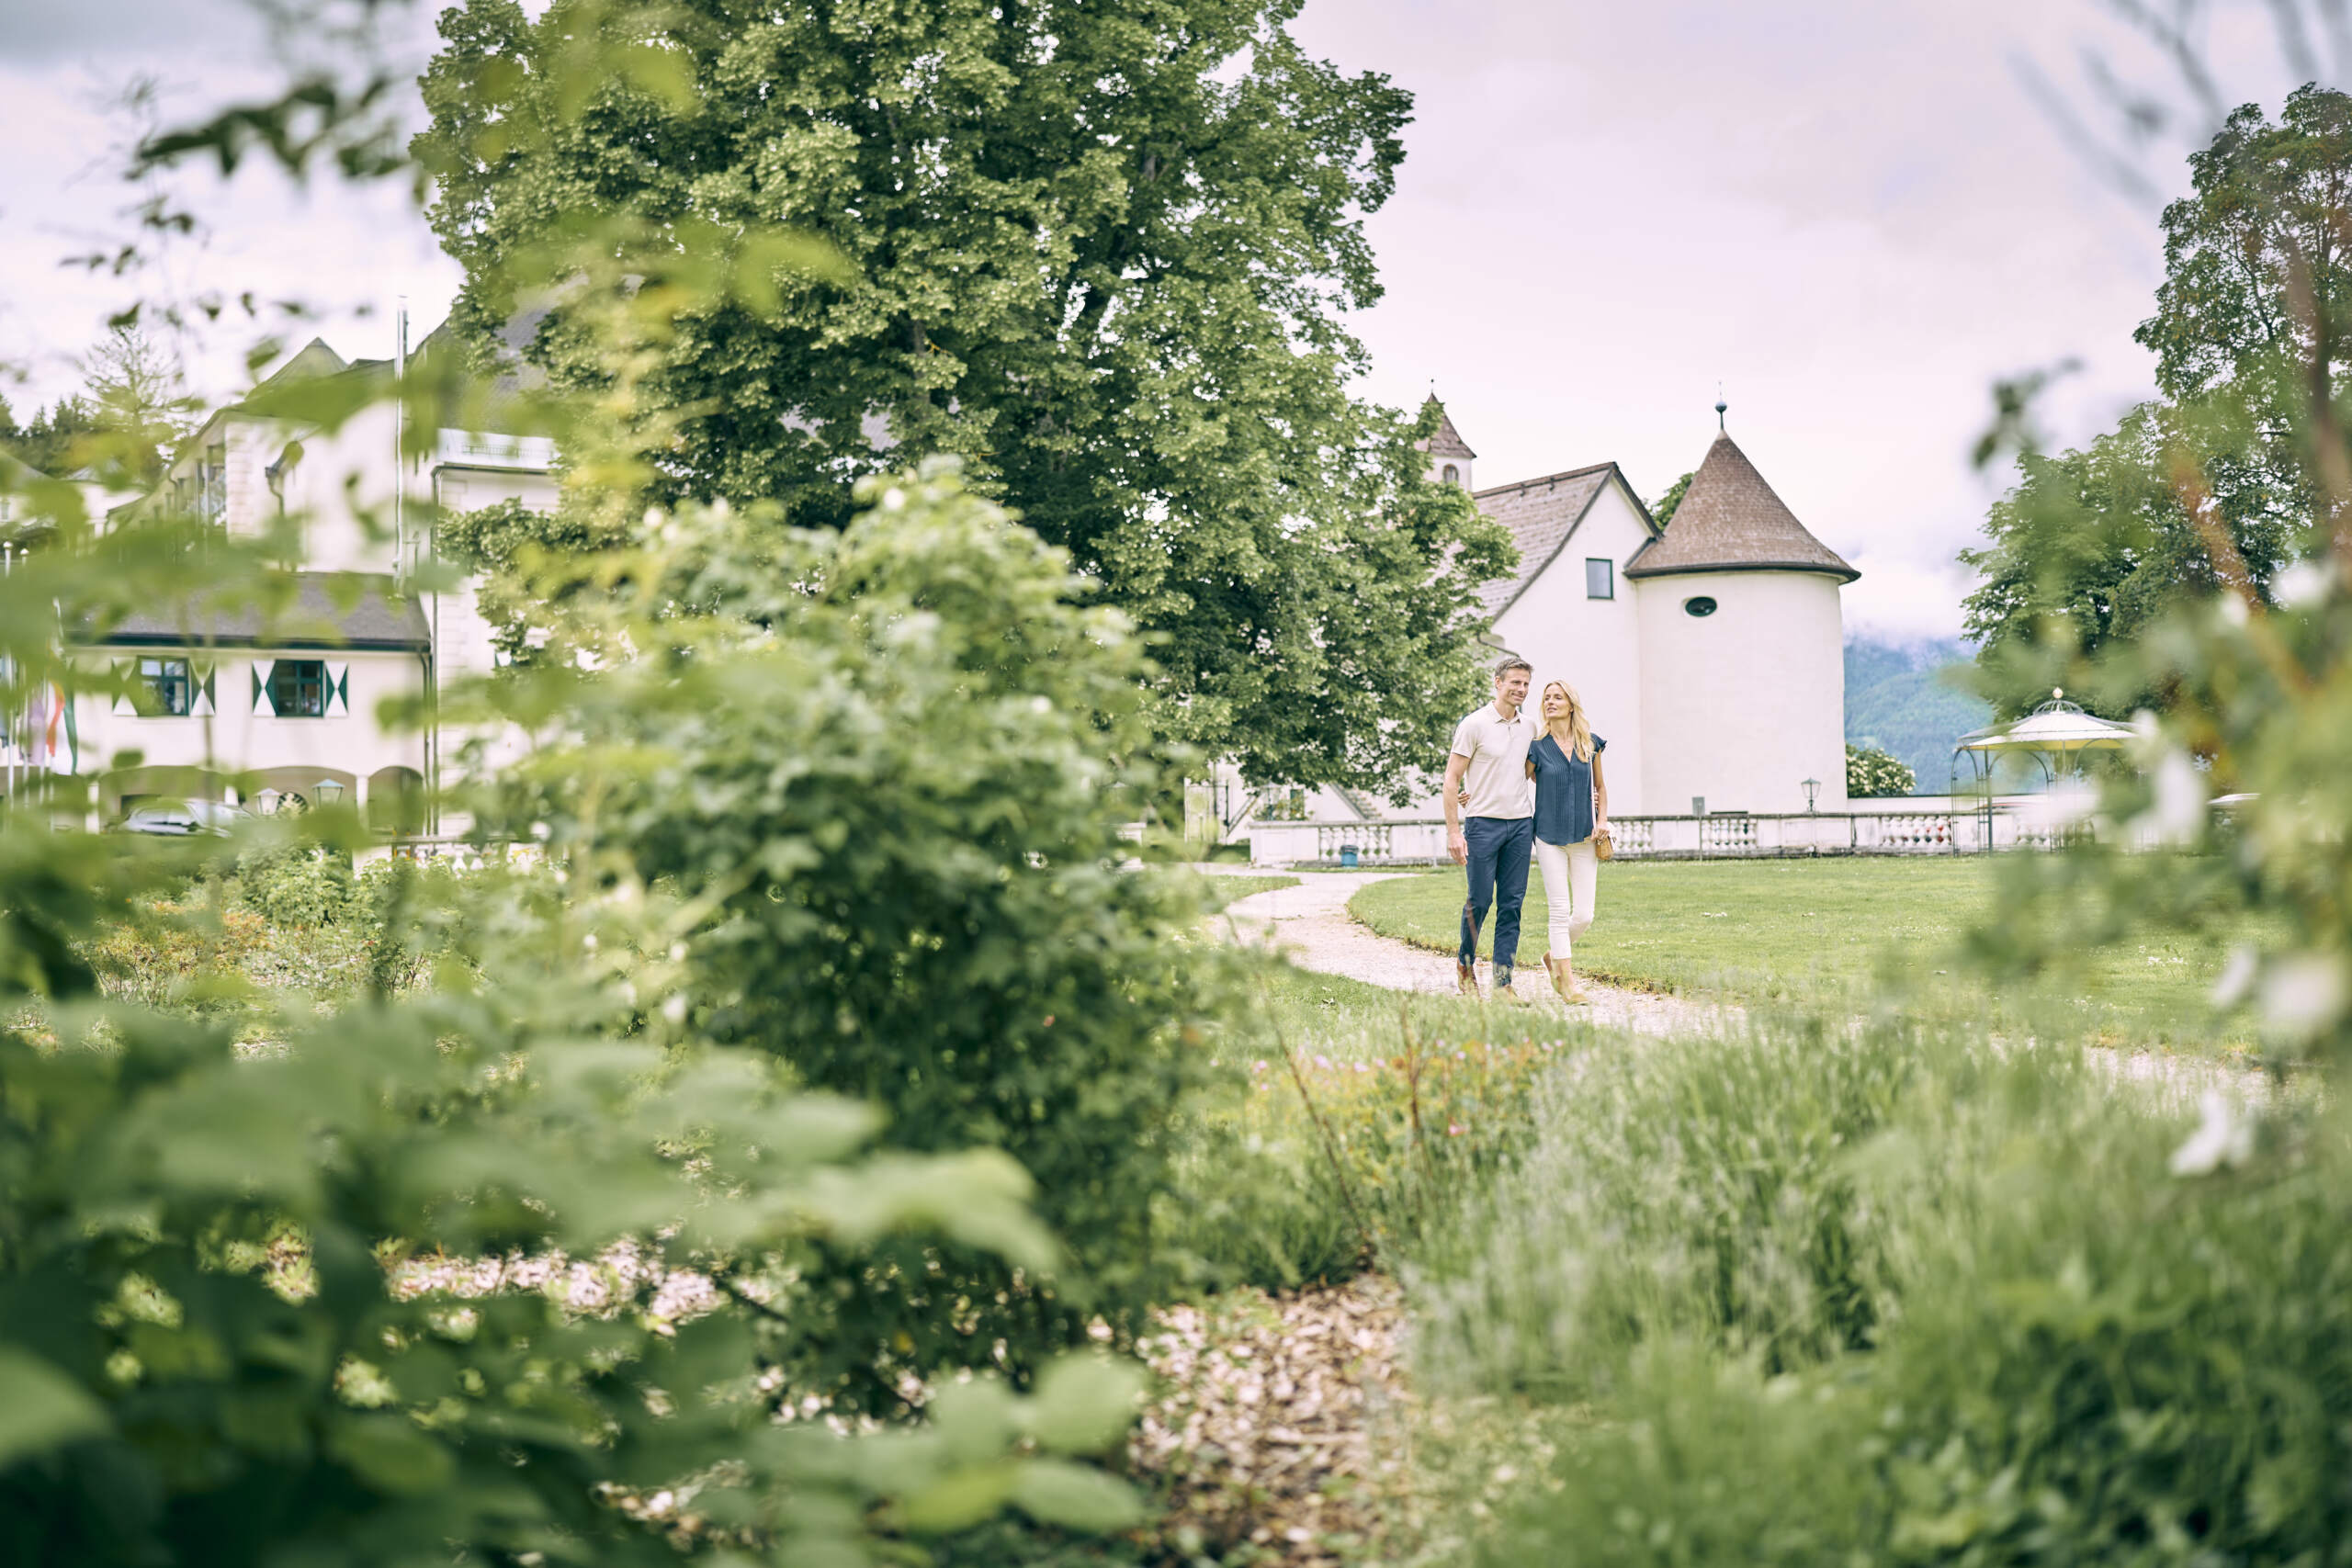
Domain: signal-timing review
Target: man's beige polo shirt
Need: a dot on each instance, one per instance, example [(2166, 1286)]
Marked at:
[(1496, 780)]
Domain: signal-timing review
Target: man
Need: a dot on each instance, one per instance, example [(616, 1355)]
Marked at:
[(1489, 767)]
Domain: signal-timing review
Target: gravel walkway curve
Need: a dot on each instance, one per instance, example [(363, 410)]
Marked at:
[(1309, 924)]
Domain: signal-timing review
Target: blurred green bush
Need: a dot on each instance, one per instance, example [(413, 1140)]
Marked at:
[(891, 764)]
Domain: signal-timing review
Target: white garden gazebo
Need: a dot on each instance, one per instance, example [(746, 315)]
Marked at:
[(2055, 734)]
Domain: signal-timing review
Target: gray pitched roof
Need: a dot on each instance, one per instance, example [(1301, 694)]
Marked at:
[(501, 397), (1540, 514), (376, 620), (1731, 521), (1447, 442)]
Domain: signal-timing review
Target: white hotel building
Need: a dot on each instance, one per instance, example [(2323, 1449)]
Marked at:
[(225, 707)]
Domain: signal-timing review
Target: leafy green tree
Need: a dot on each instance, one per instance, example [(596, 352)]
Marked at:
[(209, 1353), (2215, 483), (2094, 547), (1102, 253), (140, 402), (1662, 510), (2258, 291), (49, 443)]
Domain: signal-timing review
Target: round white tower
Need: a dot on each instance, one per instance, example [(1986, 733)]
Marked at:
[(1743, 650)]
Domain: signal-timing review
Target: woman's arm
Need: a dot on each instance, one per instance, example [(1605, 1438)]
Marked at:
[(1600, 795)]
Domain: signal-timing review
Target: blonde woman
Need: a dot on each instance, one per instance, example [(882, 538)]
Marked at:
[(1571, 805)]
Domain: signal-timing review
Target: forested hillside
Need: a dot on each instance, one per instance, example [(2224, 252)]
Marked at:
[(1898, 699)]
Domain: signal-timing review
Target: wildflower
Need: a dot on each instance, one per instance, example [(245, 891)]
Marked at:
[(1453, 1128), (1321, 1060), (2225, 1137)]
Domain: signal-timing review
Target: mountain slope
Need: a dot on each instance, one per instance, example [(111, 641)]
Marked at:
[(1899, 699)]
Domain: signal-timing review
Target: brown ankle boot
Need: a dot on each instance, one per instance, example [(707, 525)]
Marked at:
[(1466, 979)]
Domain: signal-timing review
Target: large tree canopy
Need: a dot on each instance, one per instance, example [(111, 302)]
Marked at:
[(2215, 480), (2257, 257), (1101, 252), (2093, 546)]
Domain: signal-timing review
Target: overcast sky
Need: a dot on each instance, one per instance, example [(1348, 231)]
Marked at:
[(1851, 214)]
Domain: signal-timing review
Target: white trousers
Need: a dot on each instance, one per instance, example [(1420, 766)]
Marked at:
[(1571, 878)]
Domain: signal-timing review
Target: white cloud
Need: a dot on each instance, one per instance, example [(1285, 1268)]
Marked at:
[(347, 252)]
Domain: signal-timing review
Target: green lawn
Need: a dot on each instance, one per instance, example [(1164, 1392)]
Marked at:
[(1823, 931), (1350, 1021), (1225, 890)]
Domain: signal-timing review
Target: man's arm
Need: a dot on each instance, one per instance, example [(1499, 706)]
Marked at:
[(1455, 844)]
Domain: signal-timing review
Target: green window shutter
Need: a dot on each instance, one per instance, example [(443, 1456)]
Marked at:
[(122, 701), (262, 704), (338, 691)]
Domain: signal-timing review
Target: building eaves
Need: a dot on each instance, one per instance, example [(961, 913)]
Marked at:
[(1591, 481), (353, 610)]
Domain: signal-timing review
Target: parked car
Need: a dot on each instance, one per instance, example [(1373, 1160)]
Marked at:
[(178, 819)]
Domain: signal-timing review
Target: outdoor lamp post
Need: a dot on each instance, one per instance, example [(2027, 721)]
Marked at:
[(329, 791), (1811, 789)]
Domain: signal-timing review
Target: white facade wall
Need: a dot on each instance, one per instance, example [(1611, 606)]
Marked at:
[(353, 497), (343, 492), (1592, 644), (350, 746), (1741, 706)]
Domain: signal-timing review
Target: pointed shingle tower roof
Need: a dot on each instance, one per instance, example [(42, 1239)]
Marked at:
[(1731, 521), (1447, 442)]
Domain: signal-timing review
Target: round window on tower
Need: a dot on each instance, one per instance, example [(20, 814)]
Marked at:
[(1700, 606)]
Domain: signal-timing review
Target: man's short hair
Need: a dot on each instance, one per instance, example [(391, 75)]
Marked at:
[(1511, 663)]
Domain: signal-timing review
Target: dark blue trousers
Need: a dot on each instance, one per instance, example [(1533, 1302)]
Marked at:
[(1499, 850)]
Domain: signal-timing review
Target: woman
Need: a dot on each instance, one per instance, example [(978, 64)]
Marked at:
[(1571, 805)]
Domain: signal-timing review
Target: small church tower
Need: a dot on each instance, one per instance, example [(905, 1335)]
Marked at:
[(1450, 455), (1743, 650)]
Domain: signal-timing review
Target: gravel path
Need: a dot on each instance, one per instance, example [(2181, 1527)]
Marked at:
[(1310, 925)]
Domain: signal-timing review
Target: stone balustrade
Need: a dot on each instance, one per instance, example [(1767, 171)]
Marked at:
[(1716, 836)]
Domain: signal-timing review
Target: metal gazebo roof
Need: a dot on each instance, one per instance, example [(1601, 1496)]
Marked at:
[(2057, 728), (2056, 725)]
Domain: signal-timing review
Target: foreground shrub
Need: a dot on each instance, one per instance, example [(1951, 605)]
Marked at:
[(201, 1360), (299, 884), (168, 954), (893, 762)]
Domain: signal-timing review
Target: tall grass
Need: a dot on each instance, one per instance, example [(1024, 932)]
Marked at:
[(1897, 1293), (1362, 1116), (1698, 1188)]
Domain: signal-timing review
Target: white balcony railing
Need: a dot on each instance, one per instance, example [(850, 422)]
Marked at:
[(490, 449), (1720, 836)]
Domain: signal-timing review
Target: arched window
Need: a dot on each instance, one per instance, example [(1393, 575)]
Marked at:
[(1452, 474)]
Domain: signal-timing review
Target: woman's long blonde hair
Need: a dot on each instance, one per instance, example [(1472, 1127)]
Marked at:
[(1578, 742)]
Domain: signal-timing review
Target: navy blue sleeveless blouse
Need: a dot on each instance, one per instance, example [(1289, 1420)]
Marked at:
[(1563, 791)]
